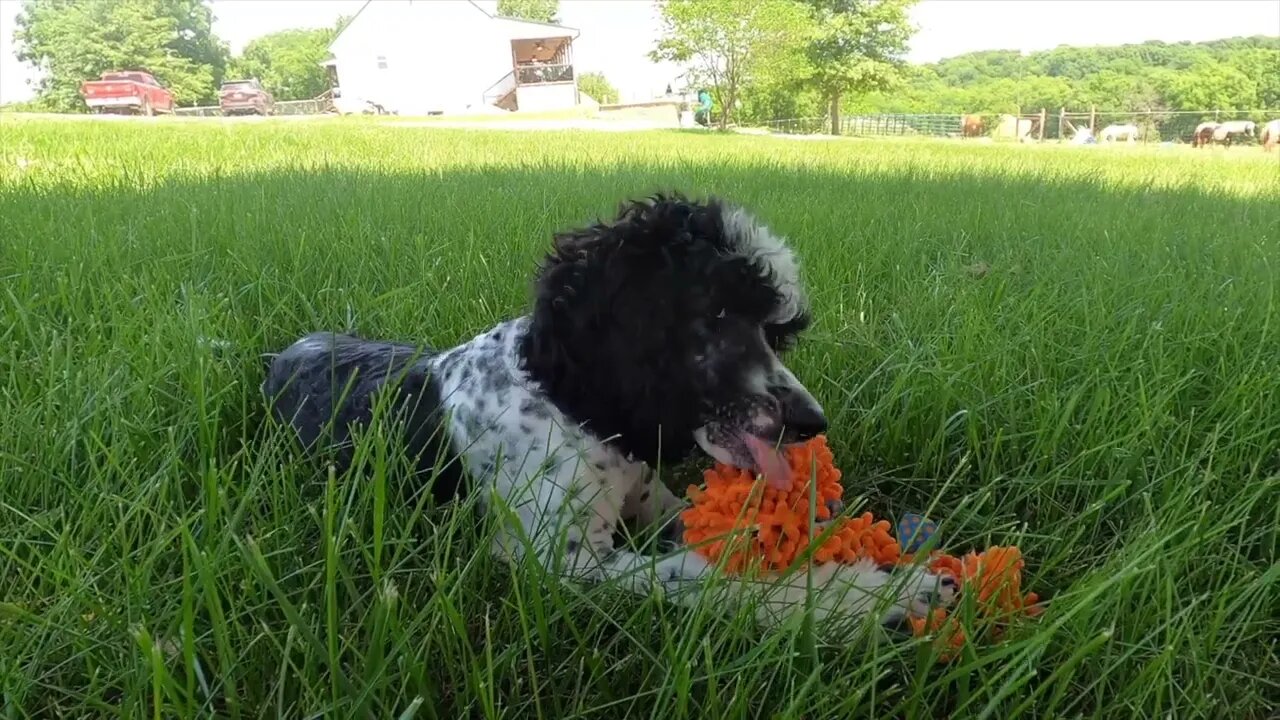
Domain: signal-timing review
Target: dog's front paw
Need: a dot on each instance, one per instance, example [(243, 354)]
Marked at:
[(888, 593), (671, 534), (915, 592)]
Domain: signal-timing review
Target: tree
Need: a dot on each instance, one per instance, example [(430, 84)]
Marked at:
[(595, 85), (1113, 90), (857, 48), (1006, 95), (1209, 85), (1235, 75), (71, 41), (732, 44), (288, 63), (765, 101), (546, 11), (1261, 64)]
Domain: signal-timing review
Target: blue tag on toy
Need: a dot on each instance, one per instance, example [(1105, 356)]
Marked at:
[(914, 531)]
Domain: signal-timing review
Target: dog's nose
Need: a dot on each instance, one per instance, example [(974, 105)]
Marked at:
[(806, 423), (801, 415)]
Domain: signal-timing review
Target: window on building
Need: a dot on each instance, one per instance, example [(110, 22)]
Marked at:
[(382, 62)]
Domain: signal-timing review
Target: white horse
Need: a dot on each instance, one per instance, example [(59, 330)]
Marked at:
[(1270, 136), (1129, 133), (1226, 130)]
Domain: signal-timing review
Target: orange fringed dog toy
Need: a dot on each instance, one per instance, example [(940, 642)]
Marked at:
[(749, 525)]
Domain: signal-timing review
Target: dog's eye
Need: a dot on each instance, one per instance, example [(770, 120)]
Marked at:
[(782, 336)]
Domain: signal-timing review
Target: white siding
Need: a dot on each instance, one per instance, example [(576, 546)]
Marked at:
[(551, 96), (440, 56)]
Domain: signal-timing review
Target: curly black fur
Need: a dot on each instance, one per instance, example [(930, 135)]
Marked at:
[(642, 326)]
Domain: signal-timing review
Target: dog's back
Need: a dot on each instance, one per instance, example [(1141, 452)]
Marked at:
[(327, 384)]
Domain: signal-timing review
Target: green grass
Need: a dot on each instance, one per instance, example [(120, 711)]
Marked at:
[(1076, 350)]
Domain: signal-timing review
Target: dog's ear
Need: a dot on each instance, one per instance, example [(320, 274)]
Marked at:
[(612, 301), (590, 268)]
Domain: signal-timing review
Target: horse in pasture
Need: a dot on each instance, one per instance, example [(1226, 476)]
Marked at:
[(971, 125), (1111, 133), (1204, 134), (1224, 132), (1270, 135)]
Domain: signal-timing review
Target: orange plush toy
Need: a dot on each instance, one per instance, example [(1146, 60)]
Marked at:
[(751, 526)]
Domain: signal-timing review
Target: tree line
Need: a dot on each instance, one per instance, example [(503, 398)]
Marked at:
[(1233, 75), (70, 41), (776, 59), (762, 60)]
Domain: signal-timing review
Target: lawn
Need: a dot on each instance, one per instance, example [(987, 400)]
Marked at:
[(1075, 350)]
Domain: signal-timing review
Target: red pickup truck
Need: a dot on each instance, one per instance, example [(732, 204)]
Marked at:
[(130, 91)]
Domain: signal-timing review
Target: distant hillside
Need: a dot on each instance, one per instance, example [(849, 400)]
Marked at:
[(1236, 74)]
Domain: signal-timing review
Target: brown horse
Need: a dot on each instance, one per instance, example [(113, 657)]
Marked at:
[(1270, 135), (1204, 134), (972, 125)]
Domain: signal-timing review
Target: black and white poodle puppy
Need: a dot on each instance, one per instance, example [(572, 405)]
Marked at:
[(651, 335)]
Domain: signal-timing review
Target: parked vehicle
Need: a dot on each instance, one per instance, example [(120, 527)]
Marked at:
[(128, 92), (245, 97)]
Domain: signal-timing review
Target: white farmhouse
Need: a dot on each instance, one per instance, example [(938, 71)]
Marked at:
[(429, 57)]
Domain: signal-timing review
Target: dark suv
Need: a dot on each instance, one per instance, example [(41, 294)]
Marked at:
[(245, 97)]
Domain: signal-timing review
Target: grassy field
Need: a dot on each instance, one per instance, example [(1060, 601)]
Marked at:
[(1076, 350)]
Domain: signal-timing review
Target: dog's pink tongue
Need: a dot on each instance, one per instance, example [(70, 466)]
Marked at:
[(769, 461)]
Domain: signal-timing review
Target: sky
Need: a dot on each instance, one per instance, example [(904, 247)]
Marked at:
[(616, 35)]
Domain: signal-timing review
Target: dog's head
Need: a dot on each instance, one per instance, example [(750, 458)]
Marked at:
[(664, 329)]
